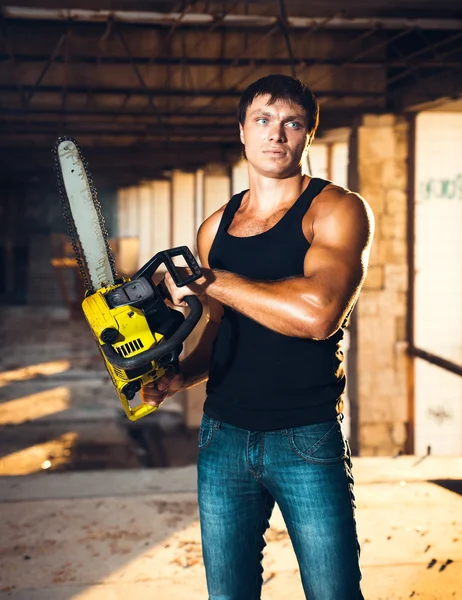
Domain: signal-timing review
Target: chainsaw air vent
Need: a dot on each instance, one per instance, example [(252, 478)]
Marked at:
[(120, 373), (130, 347)]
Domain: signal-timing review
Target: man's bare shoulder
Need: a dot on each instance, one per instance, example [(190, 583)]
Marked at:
[(210, 226), (340, 218), (337, 201), (206, 234)]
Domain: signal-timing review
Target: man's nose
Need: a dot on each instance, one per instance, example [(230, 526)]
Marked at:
[(276, 132)]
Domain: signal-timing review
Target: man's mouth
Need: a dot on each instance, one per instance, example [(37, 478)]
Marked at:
[(274, 152)]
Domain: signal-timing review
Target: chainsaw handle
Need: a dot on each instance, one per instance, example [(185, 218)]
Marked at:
[(165, 347), (165, 257)]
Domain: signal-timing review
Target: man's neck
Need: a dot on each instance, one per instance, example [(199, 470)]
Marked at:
[(268, 194)]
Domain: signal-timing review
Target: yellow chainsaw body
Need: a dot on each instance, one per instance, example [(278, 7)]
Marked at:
[(135, 337)]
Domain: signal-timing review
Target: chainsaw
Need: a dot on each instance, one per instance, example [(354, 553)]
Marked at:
[(140, 337)]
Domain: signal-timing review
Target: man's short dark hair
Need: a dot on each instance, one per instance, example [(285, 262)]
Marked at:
[(282, 87)]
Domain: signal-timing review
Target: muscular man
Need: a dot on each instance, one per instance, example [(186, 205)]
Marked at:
[(283, 266)]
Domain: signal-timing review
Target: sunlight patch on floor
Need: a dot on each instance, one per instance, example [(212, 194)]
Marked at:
[(34, 406), (41, 369), (39, 457)]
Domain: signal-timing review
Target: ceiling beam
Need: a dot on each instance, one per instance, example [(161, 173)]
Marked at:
[(177, 92), (200, 20), (79, 59), (49, 111)]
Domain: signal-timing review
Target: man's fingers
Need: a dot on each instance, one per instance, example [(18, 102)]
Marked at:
[(176, 293), (163, 383), (155, 393), (151, 395)]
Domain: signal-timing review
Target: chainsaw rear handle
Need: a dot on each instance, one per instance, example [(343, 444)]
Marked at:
[(165, 347)]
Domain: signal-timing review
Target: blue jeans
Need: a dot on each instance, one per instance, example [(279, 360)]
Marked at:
[(307, 471)]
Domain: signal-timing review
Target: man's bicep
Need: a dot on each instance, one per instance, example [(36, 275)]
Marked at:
[(336, 262), (336, 275)]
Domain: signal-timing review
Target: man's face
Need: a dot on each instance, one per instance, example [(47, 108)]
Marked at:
[(274, 136)]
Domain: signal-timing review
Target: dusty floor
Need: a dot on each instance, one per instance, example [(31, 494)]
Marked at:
[(68, 531), (115, 534), (60, 411)]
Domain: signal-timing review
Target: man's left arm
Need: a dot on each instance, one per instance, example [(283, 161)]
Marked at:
[(316, 304)]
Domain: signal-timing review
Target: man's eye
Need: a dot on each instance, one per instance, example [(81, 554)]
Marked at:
[(262, 121), (293, 125)]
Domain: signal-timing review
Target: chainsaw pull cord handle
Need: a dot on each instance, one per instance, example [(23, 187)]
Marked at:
[(195, 306)]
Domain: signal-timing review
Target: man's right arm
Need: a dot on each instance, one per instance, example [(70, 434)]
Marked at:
[(194, 368)]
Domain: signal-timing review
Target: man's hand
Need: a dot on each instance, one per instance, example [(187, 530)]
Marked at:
[(196, 288), (155, 393)]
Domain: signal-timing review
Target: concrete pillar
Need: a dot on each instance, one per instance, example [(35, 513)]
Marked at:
[(239, 177), (126, 246), (183, 210), (199, 199), (217, 188), (161, 218), (339, 163), (144, 224), (146, 221), (317, 160), (380, 145)]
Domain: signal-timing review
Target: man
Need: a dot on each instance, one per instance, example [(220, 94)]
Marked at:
[(283, 266)]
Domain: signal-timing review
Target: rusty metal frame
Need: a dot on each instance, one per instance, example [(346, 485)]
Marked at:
[(367, 51), (139, 76), (12, 58), (439, 361), (412, 71), (286, 35), (52, 57), (408, 71), (66, 74), (410, 312), (245, 61), (271, 31), (215, 24)]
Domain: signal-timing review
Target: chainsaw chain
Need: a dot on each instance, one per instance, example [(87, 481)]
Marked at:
[(75, 241)]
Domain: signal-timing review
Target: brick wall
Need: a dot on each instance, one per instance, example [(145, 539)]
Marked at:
[(381, 311)]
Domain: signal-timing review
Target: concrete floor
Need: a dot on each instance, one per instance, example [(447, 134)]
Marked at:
[(118, 534), (123, 531)]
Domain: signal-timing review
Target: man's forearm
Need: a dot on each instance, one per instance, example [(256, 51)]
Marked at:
[(195, 367), (285, 306)]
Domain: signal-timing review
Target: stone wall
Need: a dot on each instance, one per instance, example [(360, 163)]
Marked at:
[(382, 146)]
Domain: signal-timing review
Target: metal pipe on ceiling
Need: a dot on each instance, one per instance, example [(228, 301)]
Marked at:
[(232, 20)]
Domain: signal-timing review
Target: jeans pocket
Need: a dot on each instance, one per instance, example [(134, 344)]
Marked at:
[(206, 430), (321, 443)]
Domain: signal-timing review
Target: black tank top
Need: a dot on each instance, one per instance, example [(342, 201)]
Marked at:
[(259, 379)]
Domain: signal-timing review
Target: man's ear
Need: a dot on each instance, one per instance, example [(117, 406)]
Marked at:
[(309, 141), (241, 133)]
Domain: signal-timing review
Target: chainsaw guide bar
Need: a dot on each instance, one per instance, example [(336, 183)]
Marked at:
[(82, 211)]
